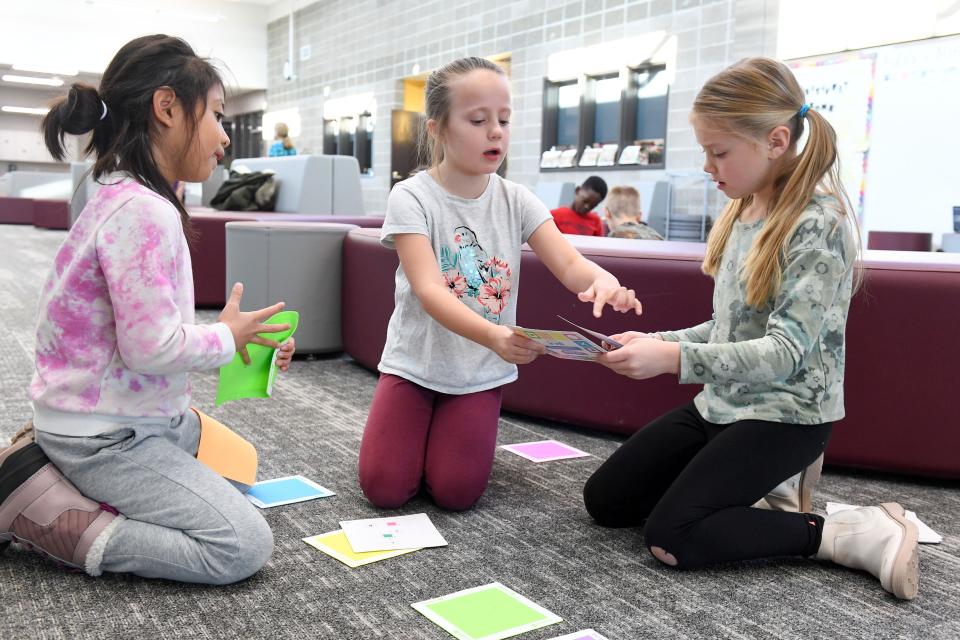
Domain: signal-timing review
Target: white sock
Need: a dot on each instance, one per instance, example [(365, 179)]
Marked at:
[(95, 555)]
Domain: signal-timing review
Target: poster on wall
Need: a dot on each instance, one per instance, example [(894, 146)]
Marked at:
[(840, 88)]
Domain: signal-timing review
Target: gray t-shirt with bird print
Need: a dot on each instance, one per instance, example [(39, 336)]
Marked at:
[(784, 361), (477, 245)]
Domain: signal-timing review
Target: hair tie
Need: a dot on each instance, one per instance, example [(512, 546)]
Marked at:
[(803, 111), (104, 114)]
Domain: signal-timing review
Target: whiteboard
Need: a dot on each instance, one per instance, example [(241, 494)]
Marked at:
[(840, 88), (911, 148)]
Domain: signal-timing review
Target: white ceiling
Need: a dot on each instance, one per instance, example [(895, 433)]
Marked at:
[(86, 33)]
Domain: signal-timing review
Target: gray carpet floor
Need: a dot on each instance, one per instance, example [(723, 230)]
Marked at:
[(529, 532)]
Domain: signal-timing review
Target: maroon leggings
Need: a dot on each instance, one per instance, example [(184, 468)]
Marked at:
[(415, 436)]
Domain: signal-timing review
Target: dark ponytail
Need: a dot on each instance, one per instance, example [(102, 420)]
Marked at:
[(120, 113), (76, 114)]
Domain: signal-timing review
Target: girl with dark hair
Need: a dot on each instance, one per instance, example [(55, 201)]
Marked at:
[(112, 482)]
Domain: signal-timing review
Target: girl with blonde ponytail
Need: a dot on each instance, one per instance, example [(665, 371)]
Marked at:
[(782, 255)]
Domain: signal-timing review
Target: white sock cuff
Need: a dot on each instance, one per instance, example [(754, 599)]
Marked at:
[(95, 555)]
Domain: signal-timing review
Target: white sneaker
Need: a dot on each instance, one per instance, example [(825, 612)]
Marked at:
[(879, 540), (796, 492)]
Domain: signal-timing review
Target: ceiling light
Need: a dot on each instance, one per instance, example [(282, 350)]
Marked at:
[(54, 71), (33, 111), (50, 82)]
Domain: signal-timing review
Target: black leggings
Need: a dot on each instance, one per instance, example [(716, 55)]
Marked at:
[(694, 482)]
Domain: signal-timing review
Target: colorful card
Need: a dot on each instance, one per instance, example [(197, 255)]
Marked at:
[(398, 532), (490, 612), (255, 380), (545, 450), (336, 545), (586, 634), (568, 345), (273, 493), (599, 336)]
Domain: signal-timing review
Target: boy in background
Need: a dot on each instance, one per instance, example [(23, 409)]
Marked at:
[(623, 216), (579, 218)]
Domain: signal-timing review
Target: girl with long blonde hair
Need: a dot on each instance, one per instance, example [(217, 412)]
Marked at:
[(782, 255)]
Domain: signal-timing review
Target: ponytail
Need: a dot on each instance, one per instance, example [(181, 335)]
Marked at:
[(750, 99), (77, 113)]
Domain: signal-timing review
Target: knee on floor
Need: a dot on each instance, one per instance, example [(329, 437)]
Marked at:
[(252, 548), (384, 493), (456, 493), (599, 506)]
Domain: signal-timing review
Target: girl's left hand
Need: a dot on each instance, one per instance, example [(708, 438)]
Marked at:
[(609, 291), (285, 353), (643, 358)]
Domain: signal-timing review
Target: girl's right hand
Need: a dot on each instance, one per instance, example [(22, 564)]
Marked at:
[(629, 336), (245, 325), (512, 347)]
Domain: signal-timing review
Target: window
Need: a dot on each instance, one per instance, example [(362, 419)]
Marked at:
[(348, 136), (348, 129), (364, 143), (647, 102), (568, 115), (650, 120), (561, 115), (606, 105), (608, 121), (331, 136), (245, 132)]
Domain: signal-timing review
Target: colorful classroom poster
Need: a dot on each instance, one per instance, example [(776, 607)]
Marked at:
[(490, 612)]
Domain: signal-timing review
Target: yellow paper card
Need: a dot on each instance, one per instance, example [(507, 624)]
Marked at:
[(336, 545)]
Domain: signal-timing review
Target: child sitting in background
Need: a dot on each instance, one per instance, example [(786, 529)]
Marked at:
[(623, 216), (579, 218)]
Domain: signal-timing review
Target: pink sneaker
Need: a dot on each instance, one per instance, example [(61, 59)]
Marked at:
[(42, 510)]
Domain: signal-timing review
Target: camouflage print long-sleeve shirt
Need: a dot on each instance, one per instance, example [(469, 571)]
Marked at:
[(782, 362)]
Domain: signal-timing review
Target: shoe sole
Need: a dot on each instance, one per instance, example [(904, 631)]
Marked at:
[(905, 576)]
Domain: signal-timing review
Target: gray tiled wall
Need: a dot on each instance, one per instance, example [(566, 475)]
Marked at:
[(360, 46)]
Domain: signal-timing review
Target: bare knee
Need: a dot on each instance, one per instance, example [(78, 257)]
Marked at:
[(663, 556)]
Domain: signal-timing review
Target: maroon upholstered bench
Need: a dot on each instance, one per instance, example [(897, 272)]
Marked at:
[(208, 250), (901, 345), (51, 214), (899, 241), (16, 210)]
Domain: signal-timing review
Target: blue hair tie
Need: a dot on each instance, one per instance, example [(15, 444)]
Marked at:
[(803, 111)]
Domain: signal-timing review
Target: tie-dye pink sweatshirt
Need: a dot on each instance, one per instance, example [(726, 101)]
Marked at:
[(116, 336)]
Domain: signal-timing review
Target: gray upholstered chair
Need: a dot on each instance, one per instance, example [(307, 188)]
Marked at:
[(295, 262), (313, 184)]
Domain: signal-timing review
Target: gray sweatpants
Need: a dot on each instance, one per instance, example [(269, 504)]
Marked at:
[(183, 521)]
